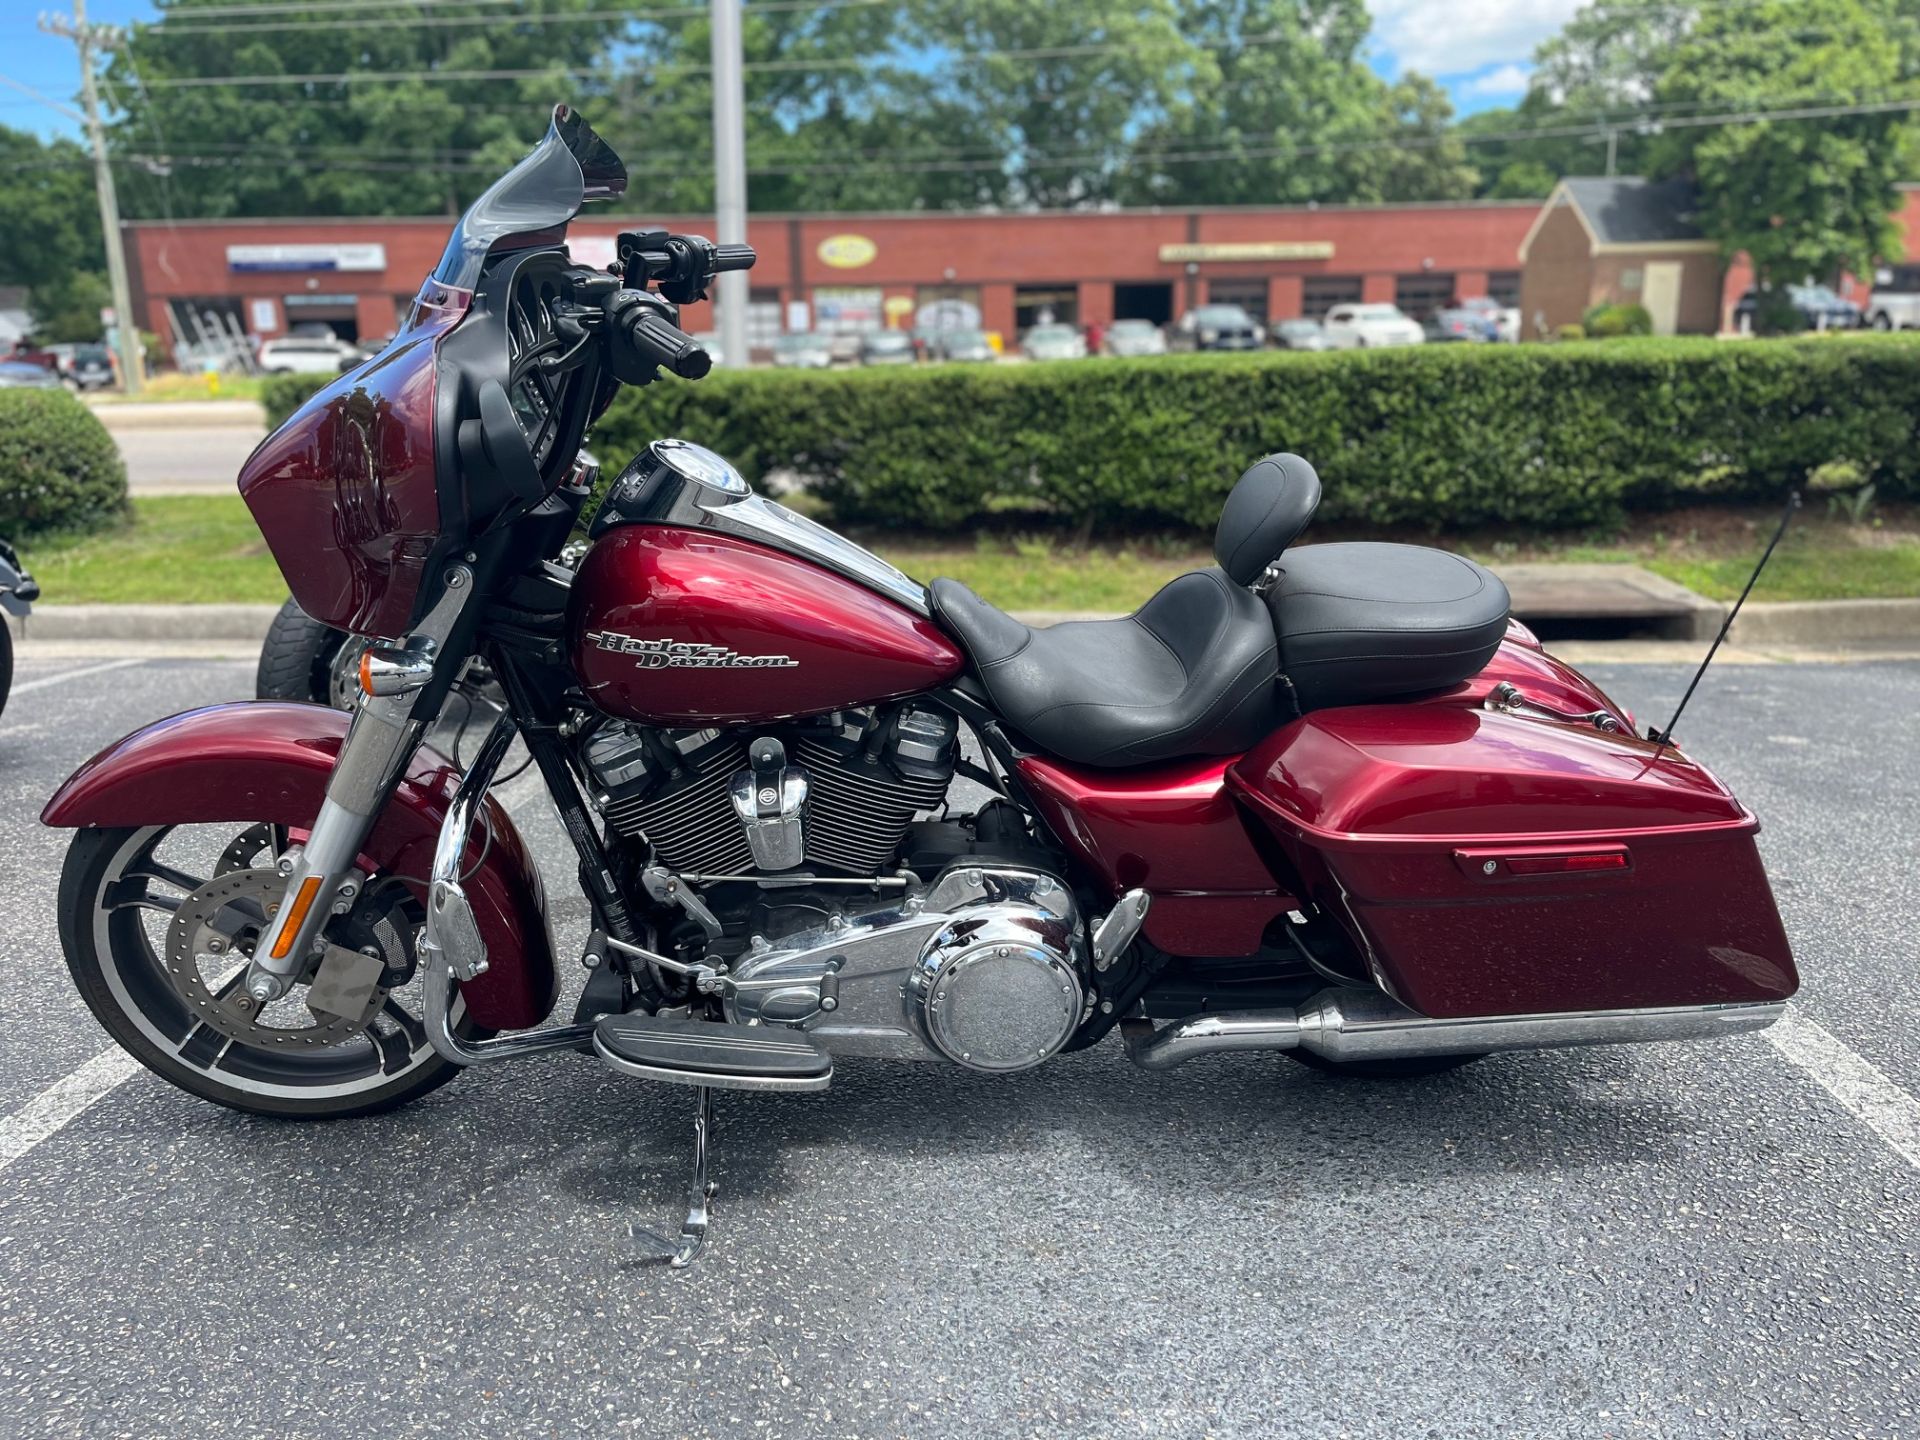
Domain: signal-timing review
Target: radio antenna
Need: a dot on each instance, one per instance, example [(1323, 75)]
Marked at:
[(1665, 737)]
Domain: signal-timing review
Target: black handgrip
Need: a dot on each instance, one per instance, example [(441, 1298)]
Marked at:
[(733, 257), (667, 345)]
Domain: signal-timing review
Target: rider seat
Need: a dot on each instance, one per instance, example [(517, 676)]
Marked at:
[(1197, 670)]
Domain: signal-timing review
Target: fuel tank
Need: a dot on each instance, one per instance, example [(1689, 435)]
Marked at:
[(688, 627)]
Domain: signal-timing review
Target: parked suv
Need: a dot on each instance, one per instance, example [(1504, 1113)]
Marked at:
[(1218, 327), (308, 355), (84, 367), (1366, 327), (1893, 309)]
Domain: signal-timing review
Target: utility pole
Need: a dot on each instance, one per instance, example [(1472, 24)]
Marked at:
[(87, 39), (730, 174), (1613, 149)]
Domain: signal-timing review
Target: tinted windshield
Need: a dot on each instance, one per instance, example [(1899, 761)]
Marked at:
[(888, 340), (1133, 327), (801, 341), (1222, 315), (543, 192), (1299, 327), (1050, 334)]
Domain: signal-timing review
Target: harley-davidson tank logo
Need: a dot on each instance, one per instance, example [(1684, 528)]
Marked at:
[(684, 654)]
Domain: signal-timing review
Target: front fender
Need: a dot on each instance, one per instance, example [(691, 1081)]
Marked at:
[(258, 760)]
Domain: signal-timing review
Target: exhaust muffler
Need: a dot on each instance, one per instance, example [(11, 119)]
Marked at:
[(1354, 1024)]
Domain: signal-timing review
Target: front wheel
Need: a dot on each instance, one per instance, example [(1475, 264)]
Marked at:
[(1882, 321), (158, 925)]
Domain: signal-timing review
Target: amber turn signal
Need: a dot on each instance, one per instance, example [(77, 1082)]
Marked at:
[(296, 916)]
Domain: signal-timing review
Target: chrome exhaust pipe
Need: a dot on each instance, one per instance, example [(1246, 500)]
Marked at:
[(1355, 1024)]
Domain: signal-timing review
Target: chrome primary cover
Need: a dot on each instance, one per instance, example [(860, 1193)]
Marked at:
[(985, 970), (673, 482)]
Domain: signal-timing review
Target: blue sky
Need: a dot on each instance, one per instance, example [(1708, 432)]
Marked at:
[(1479, 49)]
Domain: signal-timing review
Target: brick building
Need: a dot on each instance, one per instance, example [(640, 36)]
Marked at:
[(865, 271)]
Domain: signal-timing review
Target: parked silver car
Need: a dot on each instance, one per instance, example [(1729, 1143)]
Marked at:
[(1134, 337), (802, 350), (1300, 334), (968, 345), (887, 347), (19, 375), (1054, 342)]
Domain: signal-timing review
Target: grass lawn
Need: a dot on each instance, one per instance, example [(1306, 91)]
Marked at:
[(175, 386), (204, 548)]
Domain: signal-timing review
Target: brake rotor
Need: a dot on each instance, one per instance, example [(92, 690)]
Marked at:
[(214, 932)]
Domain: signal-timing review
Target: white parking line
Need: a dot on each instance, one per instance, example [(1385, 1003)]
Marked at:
[(49, 1111), (1882, 1106), (65, 675)]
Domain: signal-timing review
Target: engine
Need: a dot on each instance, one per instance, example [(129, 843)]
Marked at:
[(835, 795), (839, 912)]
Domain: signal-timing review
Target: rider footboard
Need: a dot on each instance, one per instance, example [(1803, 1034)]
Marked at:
[(1493, 864)]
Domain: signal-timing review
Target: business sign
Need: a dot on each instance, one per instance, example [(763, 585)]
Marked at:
[(248, 259), (847, 311), (1250, 250), (846, 252)]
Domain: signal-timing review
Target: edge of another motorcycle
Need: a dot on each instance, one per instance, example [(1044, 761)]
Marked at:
[(18, 591)]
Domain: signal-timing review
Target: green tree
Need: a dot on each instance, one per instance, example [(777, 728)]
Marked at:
[(1804, 197), (338, 147), (1282, 109), (50, 234)]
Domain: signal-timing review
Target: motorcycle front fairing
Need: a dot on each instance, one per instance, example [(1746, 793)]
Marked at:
[(365, 491)]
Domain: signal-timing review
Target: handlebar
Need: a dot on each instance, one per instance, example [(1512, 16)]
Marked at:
[(658, 341), (733, 257)]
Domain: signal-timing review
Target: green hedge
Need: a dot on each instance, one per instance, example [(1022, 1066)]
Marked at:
[(1436, 436), (59, 469)]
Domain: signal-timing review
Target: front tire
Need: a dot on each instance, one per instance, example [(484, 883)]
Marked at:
[(6, 662), (300, 661), (111, 885), (1882, 321)]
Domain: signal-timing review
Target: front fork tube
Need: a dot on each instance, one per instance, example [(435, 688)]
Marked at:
[(321, 875)]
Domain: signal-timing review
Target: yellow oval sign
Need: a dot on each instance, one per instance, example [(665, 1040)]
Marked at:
[(847, 252)]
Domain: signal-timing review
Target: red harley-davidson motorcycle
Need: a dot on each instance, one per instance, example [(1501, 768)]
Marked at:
[(1329, 802)]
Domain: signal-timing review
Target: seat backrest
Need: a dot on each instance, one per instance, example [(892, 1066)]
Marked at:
[(1269, 507)]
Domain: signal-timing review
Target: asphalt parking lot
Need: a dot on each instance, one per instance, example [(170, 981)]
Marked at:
[(1669, 1240)]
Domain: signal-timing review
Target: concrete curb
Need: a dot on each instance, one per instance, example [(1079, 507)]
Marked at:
[(1827, 623), (182, 415), (145, 622), (1824, 624)]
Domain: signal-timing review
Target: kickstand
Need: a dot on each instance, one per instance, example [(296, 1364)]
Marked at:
[(693, 1230)]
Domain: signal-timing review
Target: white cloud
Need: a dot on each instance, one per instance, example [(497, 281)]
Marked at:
[(1449, 37), (1502, 82)]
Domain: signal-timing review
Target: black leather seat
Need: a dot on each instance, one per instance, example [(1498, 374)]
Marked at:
[(1365, 622), (1192, 672), (1197, 669)]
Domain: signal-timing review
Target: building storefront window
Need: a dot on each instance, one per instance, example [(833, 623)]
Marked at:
[(1420, 295), (1249, 295), (1320, 293), (1045, 305)]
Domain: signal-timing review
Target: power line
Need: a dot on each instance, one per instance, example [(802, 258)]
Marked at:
[(1413, 143), (443, 77), (168, 26)]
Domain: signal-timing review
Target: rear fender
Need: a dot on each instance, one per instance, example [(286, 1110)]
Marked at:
[(255, 761)]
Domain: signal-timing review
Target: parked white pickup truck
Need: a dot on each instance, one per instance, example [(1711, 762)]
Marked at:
[(1894, 309)]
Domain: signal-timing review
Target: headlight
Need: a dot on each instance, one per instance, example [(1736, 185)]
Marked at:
[(1209, 335)]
